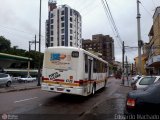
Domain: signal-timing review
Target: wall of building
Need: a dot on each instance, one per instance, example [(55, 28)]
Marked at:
[(143, 69)]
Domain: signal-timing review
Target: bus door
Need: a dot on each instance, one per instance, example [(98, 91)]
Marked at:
[(90, 73)]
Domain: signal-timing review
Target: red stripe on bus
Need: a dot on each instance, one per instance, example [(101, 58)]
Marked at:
[(45, 78), (58, 80), (84, 81)]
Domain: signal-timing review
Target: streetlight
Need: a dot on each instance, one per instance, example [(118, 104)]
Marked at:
[(39, 67)]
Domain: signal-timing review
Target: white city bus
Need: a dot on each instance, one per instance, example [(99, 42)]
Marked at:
[(73, 71)]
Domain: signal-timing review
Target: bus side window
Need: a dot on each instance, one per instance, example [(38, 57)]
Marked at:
[(98, 66), (103, 67), (86, 63), (94, 65)]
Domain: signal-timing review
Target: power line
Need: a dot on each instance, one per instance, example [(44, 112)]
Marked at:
[(89, 5), (111, 22), (13, 34), (84, 13), (146, 9), (86, 5), (9, 28), (18, 30), (154, 3), (110, 17)]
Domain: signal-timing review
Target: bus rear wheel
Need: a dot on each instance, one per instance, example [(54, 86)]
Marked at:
[(105, 83)]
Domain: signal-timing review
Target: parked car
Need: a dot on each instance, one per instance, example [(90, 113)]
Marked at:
[(134, 81), (5, 79), (143, 82), (135, 77), (118, 75), (27, 79), (144, 101)]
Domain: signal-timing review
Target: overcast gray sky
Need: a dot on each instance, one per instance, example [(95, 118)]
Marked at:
[(20, 21)]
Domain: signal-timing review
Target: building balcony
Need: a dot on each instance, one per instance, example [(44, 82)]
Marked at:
[(153, 61)]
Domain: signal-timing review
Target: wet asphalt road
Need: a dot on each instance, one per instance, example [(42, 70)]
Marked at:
[(40, 105)]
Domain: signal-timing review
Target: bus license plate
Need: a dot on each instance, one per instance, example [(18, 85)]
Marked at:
[(60, 89)]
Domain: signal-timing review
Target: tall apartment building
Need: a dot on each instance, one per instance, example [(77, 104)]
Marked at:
[(103, 44), (63, 26)]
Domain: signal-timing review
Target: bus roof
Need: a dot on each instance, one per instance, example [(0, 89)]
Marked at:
[(77, 49)]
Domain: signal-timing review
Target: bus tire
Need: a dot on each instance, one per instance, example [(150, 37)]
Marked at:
[(105, 83), (8, 84)]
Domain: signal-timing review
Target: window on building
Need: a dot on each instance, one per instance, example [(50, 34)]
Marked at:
[(62, 24), (94, 38), (62, 43), (71, 38), (51, 44), (51, 21), (110, 45), (51, 26), (51, 32), (71, 31), (71, 25), (62, 12), (71, 19), (62, 36), (71, 44), (62, 18), (51, 15), (51, 38), (62, 30), (70, 12)]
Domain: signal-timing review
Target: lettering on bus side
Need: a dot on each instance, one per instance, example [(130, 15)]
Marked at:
[(54, 75), (69, 81)]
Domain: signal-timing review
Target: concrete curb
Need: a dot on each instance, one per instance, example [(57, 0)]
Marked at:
[(19, 89)]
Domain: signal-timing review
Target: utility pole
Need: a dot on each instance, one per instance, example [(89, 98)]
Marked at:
[(29, 59), (127, 66), (139, 39), (35, 43), (123, 51), (132, 69), (39, 66), (29, 46), (32, 42)]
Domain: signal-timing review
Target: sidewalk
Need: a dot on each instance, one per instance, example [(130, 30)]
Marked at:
[(127, 83), (19, 87), (111, 108)]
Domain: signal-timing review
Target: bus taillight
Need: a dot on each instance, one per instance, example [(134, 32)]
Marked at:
[(42, 78), (80, 82)]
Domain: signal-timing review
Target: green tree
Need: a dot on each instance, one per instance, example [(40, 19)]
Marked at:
[(5, 47), (35, 58), (5, 44)]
